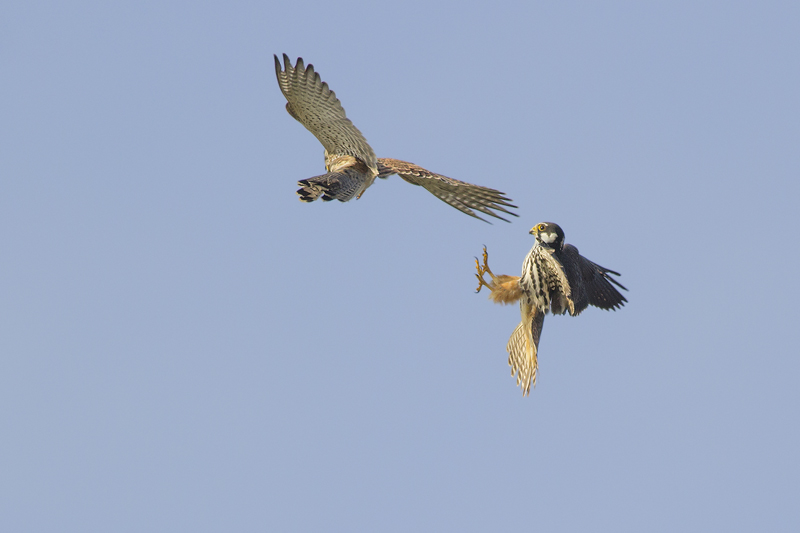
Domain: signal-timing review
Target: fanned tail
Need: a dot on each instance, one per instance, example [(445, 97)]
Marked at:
[(342, 186), (309, 191)]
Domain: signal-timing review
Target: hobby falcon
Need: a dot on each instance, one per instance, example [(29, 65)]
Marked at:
[(556, 279)]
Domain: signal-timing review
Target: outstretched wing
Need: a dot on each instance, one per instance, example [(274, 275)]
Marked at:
[(523, 347), (591, 283), (316, 107), (464, 196)]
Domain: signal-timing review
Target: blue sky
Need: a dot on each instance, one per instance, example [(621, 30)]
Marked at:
[(186, 346)]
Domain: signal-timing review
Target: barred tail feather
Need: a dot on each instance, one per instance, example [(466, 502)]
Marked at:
[(308, 191), (523, 348), (519, 358), (342, 186), (522, 359)]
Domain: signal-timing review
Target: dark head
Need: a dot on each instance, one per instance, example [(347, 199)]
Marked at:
[(549, 235)]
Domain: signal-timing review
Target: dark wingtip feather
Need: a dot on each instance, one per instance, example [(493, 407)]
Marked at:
[(618, 284), (606, 273), (471, 213), (278, 68)]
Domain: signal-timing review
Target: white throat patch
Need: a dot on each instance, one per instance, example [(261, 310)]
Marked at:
[(548, 237)]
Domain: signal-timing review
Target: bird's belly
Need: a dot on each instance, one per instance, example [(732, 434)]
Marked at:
[(536, 297)]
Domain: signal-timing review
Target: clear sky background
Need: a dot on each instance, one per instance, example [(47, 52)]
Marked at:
[(184, 346)]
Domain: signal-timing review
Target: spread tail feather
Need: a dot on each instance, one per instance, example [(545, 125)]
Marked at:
[(523, 348), (308, 191), (341, 186)]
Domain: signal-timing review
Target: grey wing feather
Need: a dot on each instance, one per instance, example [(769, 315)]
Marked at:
[(590, 283), (464, 196), (316, 107)]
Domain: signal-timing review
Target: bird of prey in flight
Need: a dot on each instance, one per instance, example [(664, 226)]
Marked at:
[(351, 164), (555, 278)]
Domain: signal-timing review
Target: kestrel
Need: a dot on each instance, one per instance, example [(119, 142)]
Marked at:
[(555, 278), (349, 160)]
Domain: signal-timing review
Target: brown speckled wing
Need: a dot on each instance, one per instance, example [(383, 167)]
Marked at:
[(316, 107), (464, 196)]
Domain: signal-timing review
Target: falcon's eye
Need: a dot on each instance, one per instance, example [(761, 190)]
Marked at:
[(541, 227)]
